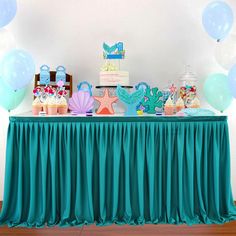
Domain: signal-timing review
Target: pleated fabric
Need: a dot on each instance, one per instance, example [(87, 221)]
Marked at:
[(70, 171)]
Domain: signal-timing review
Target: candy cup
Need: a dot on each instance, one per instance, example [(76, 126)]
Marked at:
[(36, 109), (62, 110), (169, 111), (52, 110)]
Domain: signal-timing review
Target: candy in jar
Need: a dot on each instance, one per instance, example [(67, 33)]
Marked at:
[(188, 87)]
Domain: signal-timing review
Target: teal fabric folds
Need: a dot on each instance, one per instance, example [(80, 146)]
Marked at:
[(71, 171)]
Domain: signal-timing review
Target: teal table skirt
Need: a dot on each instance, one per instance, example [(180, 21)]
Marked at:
[(71, 171)]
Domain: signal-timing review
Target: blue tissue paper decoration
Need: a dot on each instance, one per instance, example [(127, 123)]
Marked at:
[(197, 112), (86, 88), (115, 51), (61, 74), (44, 75), (130, 100)]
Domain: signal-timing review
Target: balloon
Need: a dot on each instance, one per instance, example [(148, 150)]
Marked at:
[(7, 11), (225, 52), (7, 42), (218, 19), (217, 91), (10, 99), (232, 80), (17, 69)]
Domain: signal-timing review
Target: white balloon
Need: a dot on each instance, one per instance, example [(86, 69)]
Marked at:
[(7, 42), (225, 53)]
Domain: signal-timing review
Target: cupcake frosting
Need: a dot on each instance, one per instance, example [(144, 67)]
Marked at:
[(195, 102), (62, 101), (36, 102), (169, 102), (52, 101), (180, 102)]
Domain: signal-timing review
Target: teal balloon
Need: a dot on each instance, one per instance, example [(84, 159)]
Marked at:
[(17, 69), (218, 19), (8, 10), (232, 80), (10, 99), (217, 91)]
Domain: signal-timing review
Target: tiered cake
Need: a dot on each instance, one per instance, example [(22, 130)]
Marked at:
[(110, 74)]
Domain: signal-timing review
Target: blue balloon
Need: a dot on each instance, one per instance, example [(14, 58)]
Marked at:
[(218, 19), (232, 80), (17, 69), (10, 99), (8, 10)]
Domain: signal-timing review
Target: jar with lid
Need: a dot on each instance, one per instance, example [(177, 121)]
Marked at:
[(188, 86)]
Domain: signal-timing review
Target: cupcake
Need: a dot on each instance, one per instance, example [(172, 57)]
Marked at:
[(169, 107), (179, 104), (36, 106), (62, 106), (45, 105), (195, 103), (52, 106)]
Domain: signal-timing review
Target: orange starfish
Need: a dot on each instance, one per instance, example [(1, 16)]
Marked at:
[(105, 103)]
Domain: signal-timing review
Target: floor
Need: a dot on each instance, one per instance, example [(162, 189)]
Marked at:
[(150, 230)]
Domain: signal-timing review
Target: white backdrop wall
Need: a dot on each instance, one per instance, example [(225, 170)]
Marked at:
[(160, 36)]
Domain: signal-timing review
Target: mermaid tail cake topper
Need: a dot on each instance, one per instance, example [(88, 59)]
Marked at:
[(115, 51), (130, 100)]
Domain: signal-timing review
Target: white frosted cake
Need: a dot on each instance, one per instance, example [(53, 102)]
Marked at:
[(113, 78), (110, 74)]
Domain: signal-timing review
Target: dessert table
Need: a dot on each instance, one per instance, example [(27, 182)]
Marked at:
[(71, 171)]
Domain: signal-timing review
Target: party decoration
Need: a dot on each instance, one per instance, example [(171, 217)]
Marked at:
[(225, 52), (130, 100), (44, 77), (37, 105), (17, 69), (115, 51), (109, 66), (86, 88), (61, 74), (105, 103), (8, 10), (197, 112), (60, 83), (37, 91), (188, 89), (169, 107), (140, 106), (217, 91), (7, 42), (152, 100), (232, 80), (81, 102), (218, 19), (188, 93), (10, 99)]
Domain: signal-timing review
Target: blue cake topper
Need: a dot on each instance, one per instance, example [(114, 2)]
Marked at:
[(115, 51), (44, 77), (61, 74)]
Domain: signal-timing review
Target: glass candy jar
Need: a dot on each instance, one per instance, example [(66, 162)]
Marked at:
[(188, 86)]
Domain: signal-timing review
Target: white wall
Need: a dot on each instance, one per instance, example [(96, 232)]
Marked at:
[(160, 37)]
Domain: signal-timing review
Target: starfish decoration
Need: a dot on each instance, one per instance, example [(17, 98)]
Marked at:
[(105, 107), (173, 89)]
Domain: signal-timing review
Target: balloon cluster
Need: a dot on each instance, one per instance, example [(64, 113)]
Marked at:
[(219, 89), (17, 67)]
